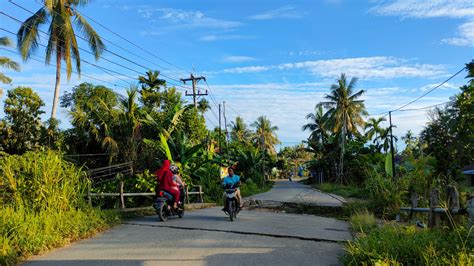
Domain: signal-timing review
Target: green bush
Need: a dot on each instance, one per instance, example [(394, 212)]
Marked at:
[(393, 244), (43, 205), (385, 195), (363, 221), (349, 191)]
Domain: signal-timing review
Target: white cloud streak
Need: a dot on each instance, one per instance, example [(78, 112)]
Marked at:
[(362, 67), (465, 35), (284, 12), (426, 8), (186, 19), (238, 59)]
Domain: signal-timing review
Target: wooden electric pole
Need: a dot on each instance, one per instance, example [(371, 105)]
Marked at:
[(220, 133), (391, 145), (226, 132), (194, 81)]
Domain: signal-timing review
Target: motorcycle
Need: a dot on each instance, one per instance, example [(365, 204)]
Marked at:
[(164, 205), (231, 206)]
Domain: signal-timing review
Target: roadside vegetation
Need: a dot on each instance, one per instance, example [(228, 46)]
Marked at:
[(351, 153), (44, 168)]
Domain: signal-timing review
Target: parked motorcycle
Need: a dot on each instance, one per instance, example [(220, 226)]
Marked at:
[(164, 205), (231, 206)]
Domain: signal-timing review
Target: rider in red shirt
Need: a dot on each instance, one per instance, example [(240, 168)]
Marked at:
[(164, 177)]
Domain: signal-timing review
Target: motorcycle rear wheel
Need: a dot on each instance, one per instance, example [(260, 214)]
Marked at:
[(162, 213), (231, 210)]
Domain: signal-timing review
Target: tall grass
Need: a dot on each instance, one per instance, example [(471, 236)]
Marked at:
[(43, 205), (397, 245), (363, 221)]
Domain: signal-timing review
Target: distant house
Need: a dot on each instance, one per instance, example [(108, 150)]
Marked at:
[(469, 172)]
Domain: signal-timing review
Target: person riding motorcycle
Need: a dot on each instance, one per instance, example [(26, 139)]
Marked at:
[(232, 180), (164, 179), (176, 184)]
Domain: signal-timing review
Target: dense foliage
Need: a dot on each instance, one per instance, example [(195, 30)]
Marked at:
[(43, 205)]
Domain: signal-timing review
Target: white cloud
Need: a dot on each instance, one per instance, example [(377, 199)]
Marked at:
[(179, 18), (238, 59), (465, 35), (426, 8), (435, 9), (362, 67), (305, 53), (222, 37), (287, 11), (446, 86)]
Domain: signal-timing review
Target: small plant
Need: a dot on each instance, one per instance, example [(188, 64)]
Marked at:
[(363, 221)]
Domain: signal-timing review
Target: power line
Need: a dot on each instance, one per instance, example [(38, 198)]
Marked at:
[(84, 39), (102, 57), (123, 38), (424, 108), (432, 89), (421, 96), (128, 51), (38, 60)]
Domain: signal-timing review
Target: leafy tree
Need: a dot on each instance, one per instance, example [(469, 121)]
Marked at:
[(62, 42), (93, 110), (317, 126), (150, 89), (7, 63), (345, 112), (22, 127), (265, 134), (239, 130), (374, 130), (203, 106)]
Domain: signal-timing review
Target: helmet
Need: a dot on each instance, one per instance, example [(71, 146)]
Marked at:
[(174, 169)]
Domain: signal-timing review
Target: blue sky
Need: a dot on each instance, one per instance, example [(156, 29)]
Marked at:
[(276, 58)]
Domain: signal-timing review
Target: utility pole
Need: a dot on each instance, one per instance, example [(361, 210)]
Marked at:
[(391, 144), (226, 132), (220, 133), (194, 81), (263, 161)]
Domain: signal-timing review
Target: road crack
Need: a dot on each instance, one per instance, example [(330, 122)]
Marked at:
[(314, 239)]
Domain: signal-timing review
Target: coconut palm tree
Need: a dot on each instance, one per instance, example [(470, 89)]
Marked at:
[(373, 129), (62, 42), (265, 134), (203, 106), (384, 138), (317, 126), (7, 63), (345, 113), (239, 131)]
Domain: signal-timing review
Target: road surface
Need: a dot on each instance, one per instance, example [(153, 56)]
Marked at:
[(295, 192), (207, 237)]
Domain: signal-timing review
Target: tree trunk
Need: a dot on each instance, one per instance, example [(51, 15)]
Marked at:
[(341, 159), (56, 87)]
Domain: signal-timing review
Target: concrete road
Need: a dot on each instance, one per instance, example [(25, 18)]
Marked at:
[(295, 192), (207, 237)]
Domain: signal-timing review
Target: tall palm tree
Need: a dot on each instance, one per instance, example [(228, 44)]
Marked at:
[(7, 63), (265, 134), (317, 126), (345, 112), (373, 129), (239, 131), (62, 42), (384, 138), (203, 106)]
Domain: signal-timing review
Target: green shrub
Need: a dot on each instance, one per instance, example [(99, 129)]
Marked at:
[(41, 181), (363, 221), (349, 191), (385, 195), (394, 244), (43, 205)]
